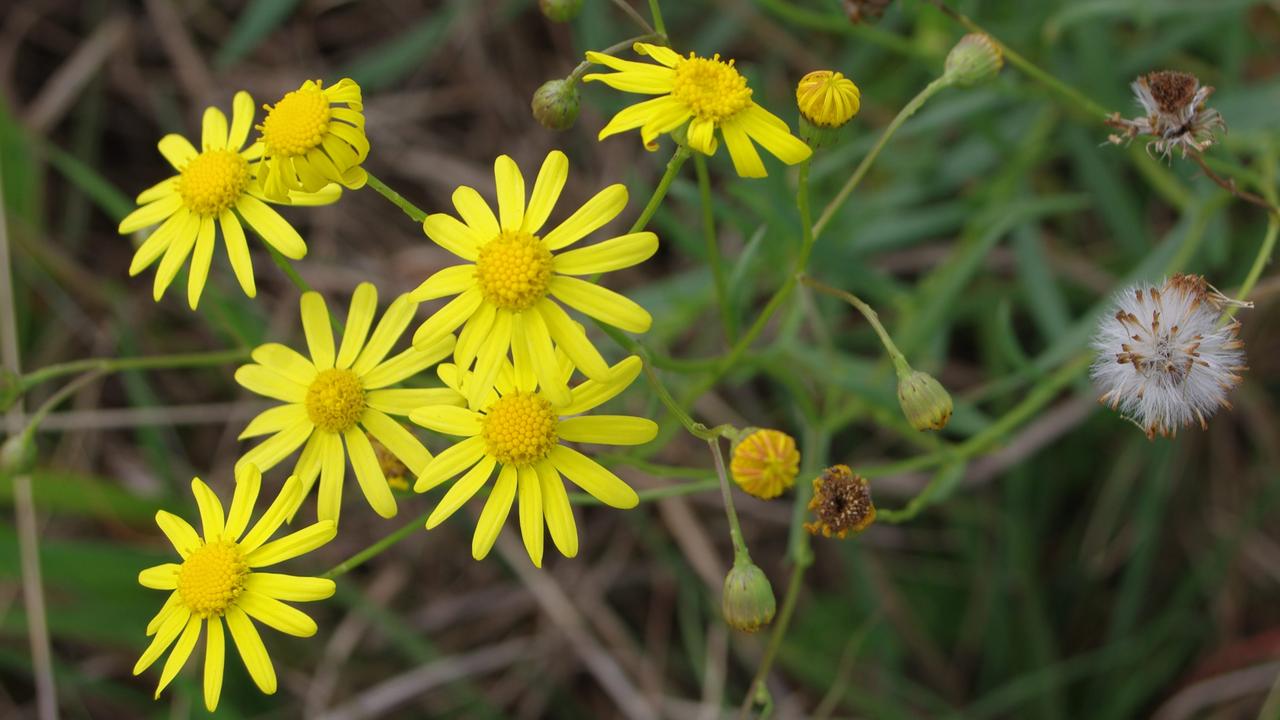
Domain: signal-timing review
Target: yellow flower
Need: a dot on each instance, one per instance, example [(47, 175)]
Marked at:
[(338, 398), (827, 99), (216, 184), (765, 463), (310, 140), (504, 290), (217, 581), (520, 430), (708, 93)]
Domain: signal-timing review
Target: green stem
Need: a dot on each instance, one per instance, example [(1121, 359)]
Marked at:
[(613, 49), (899, 360), (413, 211), (713, 247), (775, 640), (1268, 246), (283, 263), (377, 548), (112, 365), (860, 172), (1075, 98), (630, 12), (660, 192), (740, 553), (658, 24)]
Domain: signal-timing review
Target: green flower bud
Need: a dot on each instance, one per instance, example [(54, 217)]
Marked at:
[(555, 104), (925, 402), (975, 59), (748, 602), (17, 454), (560, 10)]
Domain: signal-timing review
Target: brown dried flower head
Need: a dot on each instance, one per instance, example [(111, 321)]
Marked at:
[(1177, 116), (841, 503)]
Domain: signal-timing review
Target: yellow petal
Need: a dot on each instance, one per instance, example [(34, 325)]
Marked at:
[(212, 519), (448, 318), (593, 393), (182, 222), (389, 329), (282, 507), (215, 654), (369, 473), (315, 324), (572, 339), (493, 353), (290, 587), (608, 429), (746, 161), (248, 484), (593, 214), (407, 363), (160, 577), (181, 652), (181, 535), (238, 251), (285, 361), (546, 190), (494, 513), (150, 214), (661, 53), (396, 439), (593, 477), (475, 212), (449, 463), (277, 615), (249, 644), (542, 355), (213, 134), (270, 383), (241, 120), (176, 254), (166, 633), (773, 135), (555, 506), (364, 305), (600, 303), (461, 491), (449, 281), (473, 334), (402, 401), (449, 233), (333, 468), (292, 545), (531, 513), (449, 420), (510, 185), (177, 150), (271, 227), (271, 451), (615, 254)]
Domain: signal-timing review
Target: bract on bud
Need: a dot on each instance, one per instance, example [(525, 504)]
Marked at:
[(975, 59), (748, 601), (555, 104), (560, 10), (924, 401)]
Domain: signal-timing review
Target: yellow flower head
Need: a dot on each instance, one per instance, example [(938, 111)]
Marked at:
[(216, 186), (841, 503), (505, 289), (313, 136), (218, 581), (339, 398), (765, 463), (520, 430), (827, 99), (708, 94)]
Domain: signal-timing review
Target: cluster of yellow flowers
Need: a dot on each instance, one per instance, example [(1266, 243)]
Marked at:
[(507, 387)]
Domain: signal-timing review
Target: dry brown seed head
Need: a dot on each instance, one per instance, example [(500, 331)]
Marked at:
[(1172, 91)]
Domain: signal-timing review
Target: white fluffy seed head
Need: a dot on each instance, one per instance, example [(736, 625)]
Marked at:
[(1165, 358)]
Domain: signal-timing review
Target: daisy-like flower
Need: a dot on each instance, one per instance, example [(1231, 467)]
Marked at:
[(1177, 115), (313, 136), (218, 580), (505, 289), (520, 431), (707, 93), (215, 187), (1165, 357), (341, 397)]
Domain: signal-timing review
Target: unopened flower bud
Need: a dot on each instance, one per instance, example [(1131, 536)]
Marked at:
[(560, 10), (748, 602), (17, 454), (841, 503), (827, 99), (924, 401), (975, 59), (555, 104), (765, 463)]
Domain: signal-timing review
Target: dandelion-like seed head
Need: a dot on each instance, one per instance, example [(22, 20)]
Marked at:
[(1165, 358), (297, 123), (520, 429), (827, 99), (765, 463), (211, 578), (1176, 114), (841, 503), (514, 270), (335, 400), (213, 181), (711, 88)]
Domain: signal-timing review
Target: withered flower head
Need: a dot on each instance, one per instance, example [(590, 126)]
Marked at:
[(1166, 358), (1177, 116), (841, 503), (864, 10)]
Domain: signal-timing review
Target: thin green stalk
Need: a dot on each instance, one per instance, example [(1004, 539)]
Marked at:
[(658, 24), (1075, 98), (630, 12), (740, 554), (781, 622), (413, 211), (713, 246), (283, 263), (860, 172), (113, 365), (899, 360), (1263, 258), (660, 192), (377, 548)]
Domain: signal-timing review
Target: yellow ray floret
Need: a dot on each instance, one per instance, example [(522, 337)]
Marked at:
[(218, 580), (314, 136), (216, 187), (707, 94), (339, 397), (505, 290), (520, 432)]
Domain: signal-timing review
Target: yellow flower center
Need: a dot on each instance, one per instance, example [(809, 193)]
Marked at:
[(520, 429), (712, 89), (211, 578), (514, 270), (213, 181), (335, 400), (297, 123)]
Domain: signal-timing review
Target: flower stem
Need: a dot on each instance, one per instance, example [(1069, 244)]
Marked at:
[(758, 690), (112, 365), (740, 553), (636, 17), (413, 211), (1268, 246), (377, 548), (899, 360), (658, 24), (861, 171), (283, 263), (713, 247), (660, 192)]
